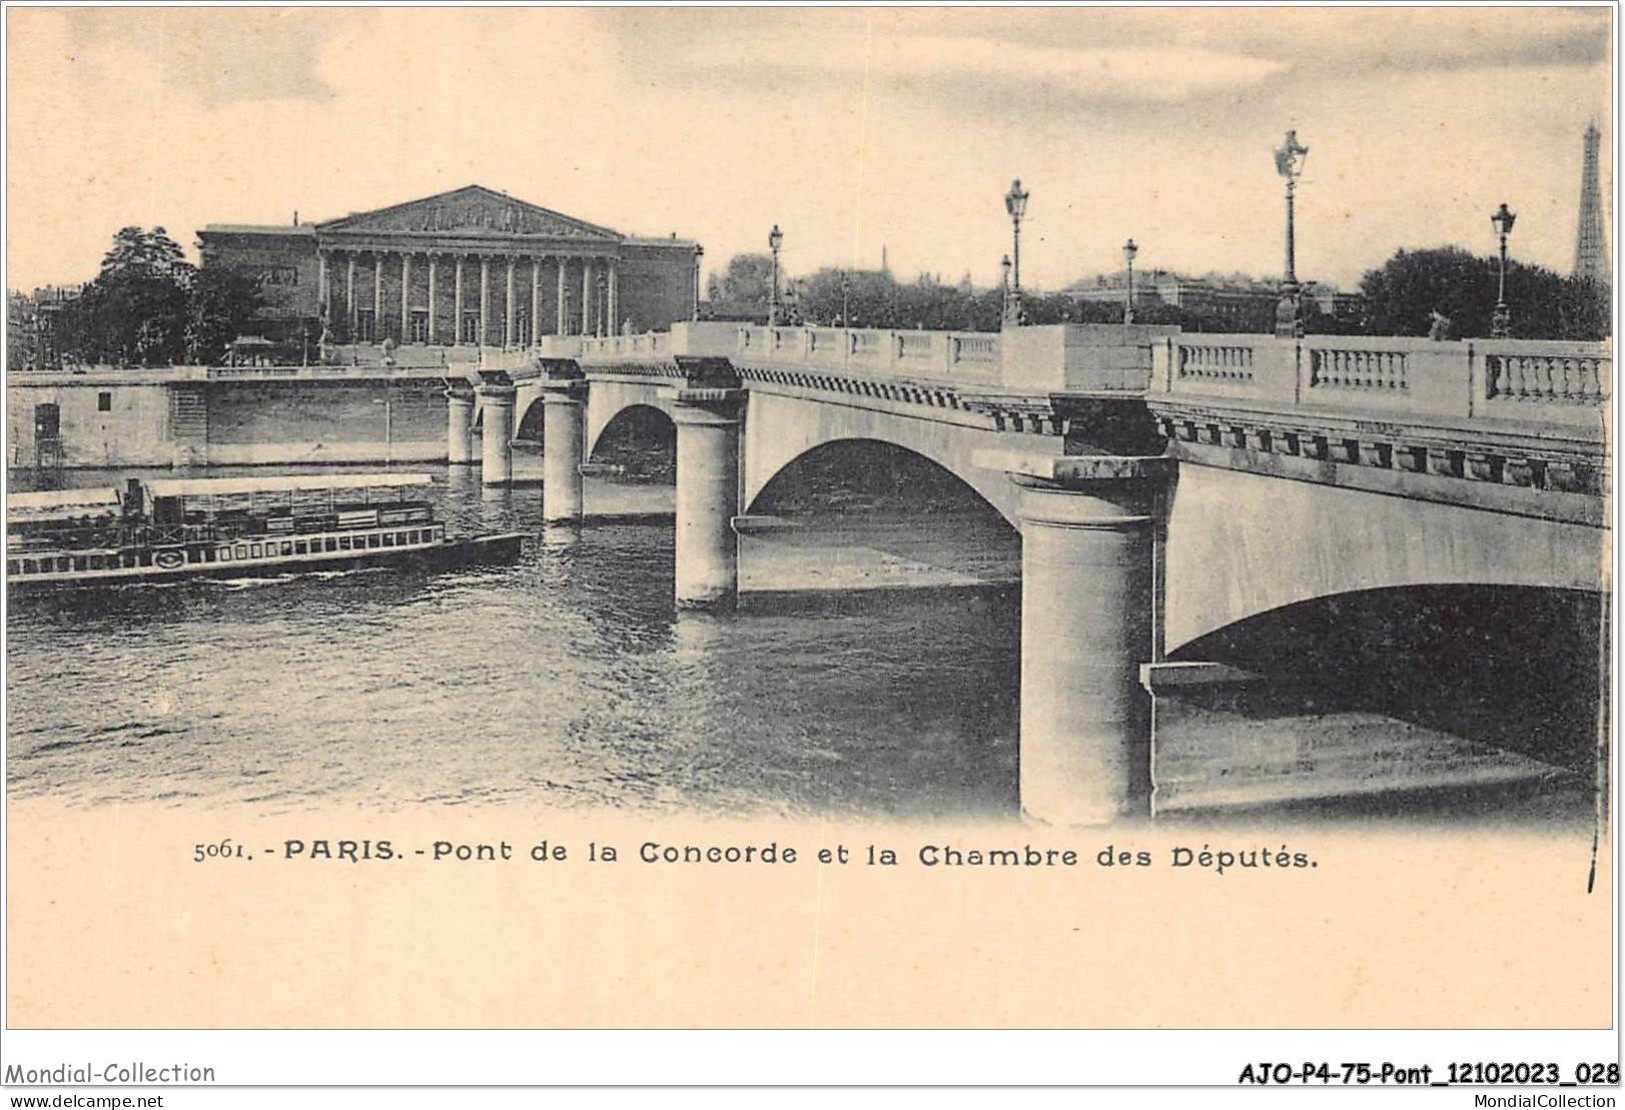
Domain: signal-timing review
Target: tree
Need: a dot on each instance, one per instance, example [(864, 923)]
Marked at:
[(136, 310), (221, 307), (148, 306), (1402, 294), (745, 282)]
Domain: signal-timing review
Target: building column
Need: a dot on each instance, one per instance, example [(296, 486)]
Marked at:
[(707, 410), (406, 298), (457, 306), (510, 334), (564, 394), (349, 293), (324, 295), (586, 296), (459, 422), (496, 448), (562, 311), (434, 260), (377, 296), (485, 304), (535, 301), (614, 301), (1088, 527)]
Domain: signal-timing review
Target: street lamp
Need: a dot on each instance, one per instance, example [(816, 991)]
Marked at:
[(1501, 322), (1130, 249), (1004, 267), (1015, 203), (775, 240), (1289, 160), (846, 289)]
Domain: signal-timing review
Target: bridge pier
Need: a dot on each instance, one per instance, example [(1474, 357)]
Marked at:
[(1088, 535), (459, 422), (707, 413), (563, 429), (496, 403)]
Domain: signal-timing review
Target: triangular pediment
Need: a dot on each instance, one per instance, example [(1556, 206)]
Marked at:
[(472, 210)]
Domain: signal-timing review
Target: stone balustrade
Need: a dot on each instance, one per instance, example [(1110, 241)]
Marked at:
[(872, 352), (1534, 384), (1087, 358)]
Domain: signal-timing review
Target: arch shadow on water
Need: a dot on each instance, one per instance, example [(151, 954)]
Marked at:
[(1517, 670), (638, 446), (865, 515)]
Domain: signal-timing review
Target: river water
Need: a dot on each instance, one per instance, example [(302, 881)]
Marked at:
[(566, 679), (872, 671)]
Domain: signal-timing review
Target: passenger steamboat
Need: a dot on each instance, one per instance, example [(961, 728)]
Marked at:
[(177, 529)]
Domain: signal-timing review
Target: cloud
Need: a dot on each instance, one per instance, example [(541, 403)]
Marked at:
[(218, 55), (718, 124), (1127, 73)]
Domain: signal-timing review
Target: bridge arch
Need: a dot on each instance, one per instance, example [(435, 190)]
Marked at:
[(780, 430), (608, 399), (529, 427), (641, 439), (1520, 667), (1241, 545), (869, 473)]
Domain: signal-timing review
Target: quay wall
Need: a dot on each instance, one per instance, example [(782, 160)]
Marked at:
[(169, 418)]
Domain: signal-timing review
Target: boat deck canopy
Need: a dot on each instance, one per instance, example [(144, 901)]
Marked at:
[(285, 483), (63, 504)]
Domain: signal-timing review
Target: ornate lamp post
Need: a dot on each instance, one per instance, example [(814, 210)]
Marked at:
[(846, 289), (1015, 203), (1289, 162), (1501, 322), (775, 240), (1130, 249)]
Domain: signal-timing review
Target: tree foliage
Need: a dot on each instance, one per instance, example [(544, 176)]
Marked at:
[(1399, 299), (1402, 295), (148, 306), (221, 308), (745, 282)]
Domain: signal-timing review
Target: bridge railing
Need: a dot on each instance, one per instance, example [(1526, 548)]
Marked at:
[(1520, 381), (872, 352)]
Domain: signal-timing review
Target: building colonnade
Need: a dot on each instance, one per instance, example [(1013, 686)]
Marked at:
[(492, 298)]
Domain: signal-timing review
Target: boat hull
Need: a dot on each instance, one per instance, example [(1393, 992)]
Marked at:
[(451, 554)]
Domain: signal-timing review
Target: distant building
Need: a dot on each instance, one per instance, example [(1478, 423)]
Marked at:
[(33, 327), (1234, 300), (472, 266)]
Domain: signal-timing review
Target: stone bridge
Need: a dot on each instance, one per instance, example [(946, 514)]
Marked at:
[(1166, 486)]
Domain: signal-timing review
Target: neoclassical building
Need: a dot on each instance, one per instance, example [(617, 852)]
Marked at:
[(469, 267)]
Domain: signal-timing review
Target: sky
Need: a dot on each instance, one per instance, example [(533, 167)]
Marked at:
[(853, 129)]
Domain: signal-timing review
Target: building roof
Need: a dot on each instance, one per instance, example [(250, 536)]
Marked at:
[(471, 210), (658, 241), (257, 229)]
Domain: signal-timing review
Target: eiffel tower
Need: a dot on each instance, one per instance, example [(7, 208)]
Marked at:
[(1590, 250)]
